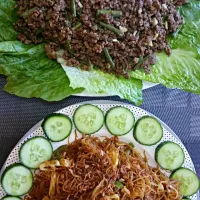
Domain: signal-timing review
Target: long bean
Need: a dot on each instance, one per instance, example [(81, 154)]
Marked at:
[(28, 12), (73, 7), (114, 13), (77, 26), (111, 28), (141, 61), (69, 47), (108, 57)]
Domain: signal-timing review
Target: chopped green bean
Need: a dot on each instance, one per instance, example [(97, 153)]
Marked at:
[(39, 31), (111, 28), (108, 57), (69, 47), (77, 26), (141, 61), (28, 12), (114, 13), (73, 7)]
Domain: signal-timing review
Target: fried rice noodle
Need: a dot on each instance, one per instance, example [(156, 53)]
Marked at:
[(90, 168)]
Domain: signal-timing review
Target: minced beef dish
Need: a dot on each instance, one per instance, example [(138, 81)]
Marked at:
[(115, 36)]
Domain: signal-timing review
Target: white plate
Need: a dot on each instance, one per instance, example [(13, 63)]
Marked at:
[(168, 135)]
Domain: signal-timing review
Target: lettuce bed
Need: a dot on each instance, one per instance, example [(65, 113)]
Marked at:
[(31, 74)]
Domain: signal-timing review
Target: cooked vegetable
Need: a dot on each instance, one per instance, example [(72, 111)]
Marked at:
[(140, 61), (148, 131), (77, 26), (73, 7), (69, 47), (35, 151), (188, 179), (131, 145), (58, 152), (17, 180), (119, 120), (88, 119), (114, 13), (119, 185), (169, 155), (108, 57), (111, 28), (28, 12), (57, 127)]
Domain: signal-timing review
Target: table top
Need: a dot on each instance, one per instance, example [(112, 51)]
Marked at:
[(179, 110)]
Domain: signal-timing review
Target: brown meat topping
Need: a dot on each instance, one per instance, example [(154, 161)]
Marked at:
[(142, 26)]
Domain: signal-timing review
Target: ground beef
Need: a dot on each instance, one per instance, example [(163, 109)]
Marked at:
[(142, 27)]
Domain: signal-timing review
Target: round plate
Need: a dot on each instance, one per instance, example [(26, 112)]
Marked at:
[(168, 135)]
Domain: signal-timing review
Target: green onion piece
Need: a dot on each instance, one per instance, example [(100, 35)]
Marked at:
[(119, 185), (114, 13), (111, 28), (28, 12), (108, 57), (73, 7), (77, 26), (69, 47), (131, 145)]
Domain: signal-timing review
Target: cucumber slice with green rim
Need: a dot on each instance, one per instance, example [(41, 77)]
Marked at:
[(88, 119), (119, 120), (57, 127), (169, 155), (185, 198), (17, 180), (35, 151), (10, 198), (148, 131), (188, 179)]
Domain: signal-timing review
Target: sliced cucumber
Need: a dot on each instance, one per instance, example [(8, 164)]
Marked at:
[(88, 119), (10, 198), (57, 127), (17, 180), (188, 179), (35, 151), (119, 120), (148, 131), (169, 155), (185, 198)]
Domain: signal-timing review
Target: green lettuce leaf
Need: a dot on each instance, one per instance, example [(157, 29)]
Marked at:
[(97, 82), (7, 17), (31, 74), (188, 36), (182, 69)]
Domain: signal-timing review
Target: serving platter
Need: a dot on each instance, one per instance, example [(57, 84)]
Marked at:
[(168, 135)]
